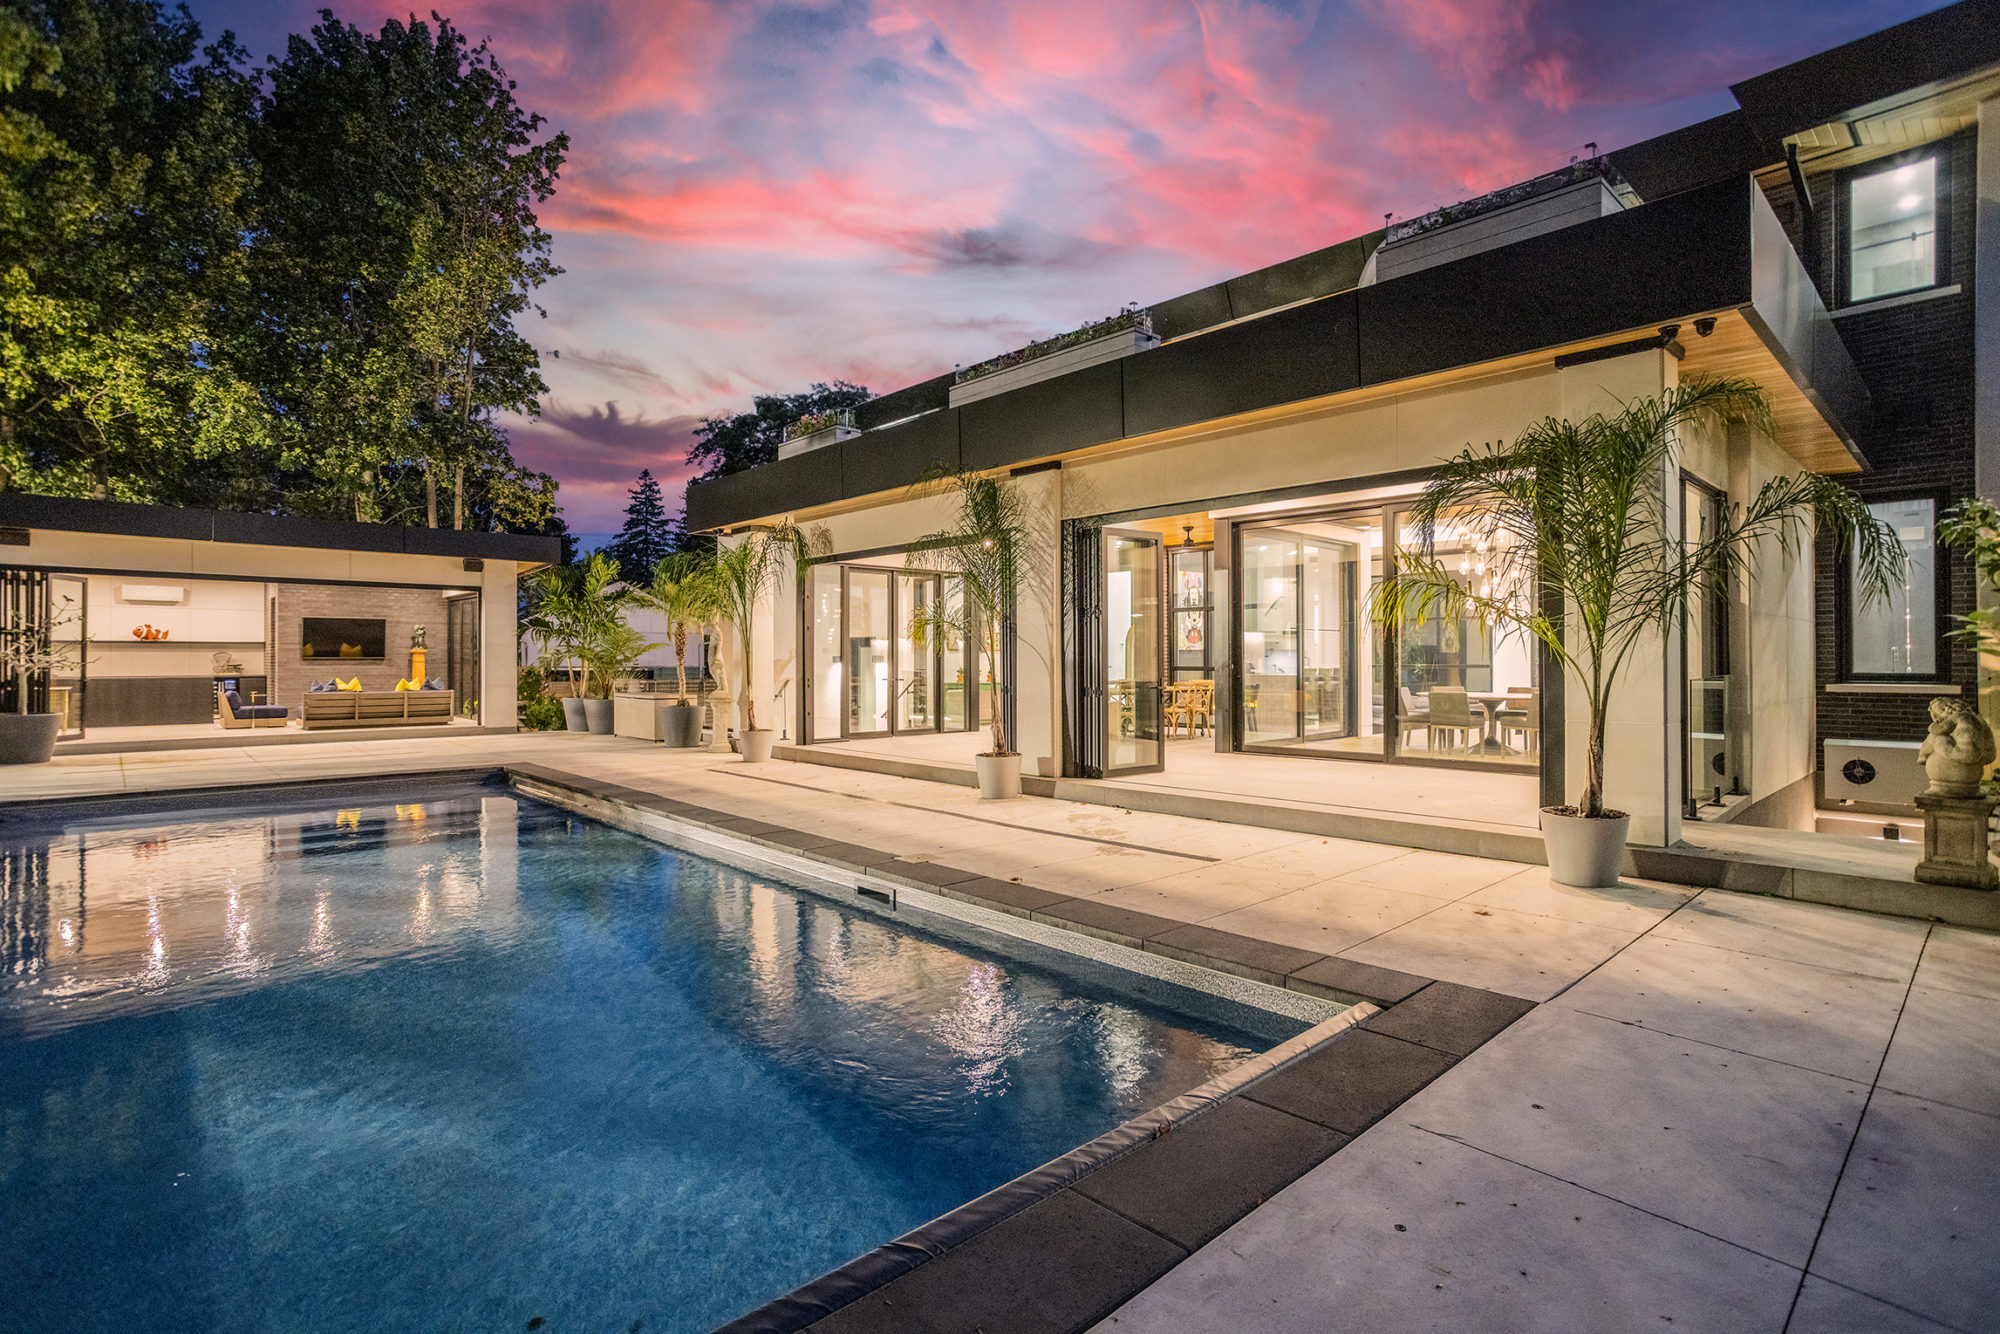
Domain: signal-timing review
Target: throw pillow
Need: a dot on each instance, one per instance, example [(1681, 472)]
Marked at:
[(406, 685), (339, 684), (435, 683), (350, 650)]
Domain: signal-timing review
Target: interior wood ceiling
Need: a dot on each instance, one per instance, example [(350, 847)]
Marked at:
[(1170, 527)]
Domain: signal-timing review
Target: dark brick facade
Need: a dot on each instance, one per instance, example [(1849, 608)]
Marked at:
[(1918, 361)]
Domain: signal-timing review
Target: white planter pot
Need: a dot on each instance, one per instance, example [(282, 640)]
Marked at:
[(28, 738), (597, 715), (756, 746), (999, 776), (573, 715), (1584, 853)]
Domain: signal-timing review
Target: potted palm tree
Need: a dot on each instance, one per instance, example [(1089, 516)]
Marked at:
[(1573, 518), (985, 547), (26, 653), (575, 608), (742, 575), (684, 591)]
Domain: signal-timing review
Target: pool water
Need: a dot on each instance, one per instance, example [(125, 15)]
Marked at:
[(470, 1061)]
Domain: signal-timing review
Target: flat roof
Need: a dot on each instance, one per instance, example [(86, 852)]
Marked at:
[(67, 515)]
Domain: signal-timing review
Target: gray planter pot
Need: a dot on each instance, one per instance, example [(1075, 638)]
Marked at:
[(756, 746), (573, 715), (597, 716), (28, 738), (680, 725), (1585, 854)]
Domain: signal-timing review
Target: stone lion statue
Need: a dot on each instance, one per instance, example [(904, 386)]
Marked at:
[(1957, 750)]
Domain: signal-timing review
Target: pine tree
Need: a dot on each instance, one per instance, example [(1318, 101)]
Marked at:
[(648, 533)]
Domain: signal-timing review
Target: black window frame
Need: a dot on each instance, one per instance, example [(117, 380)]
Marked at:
[(1843, 205), (1844, 603)]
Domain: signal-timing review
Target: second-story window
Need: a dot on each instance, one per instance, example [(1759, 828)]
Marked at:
[(1892, 230)]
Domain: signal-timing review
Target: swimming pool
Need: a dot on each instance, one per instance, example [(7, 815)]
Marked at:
[(471, 1060)]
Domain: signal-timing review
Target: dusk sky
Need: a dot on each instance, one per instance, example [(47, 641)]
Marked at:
[(760, 195)]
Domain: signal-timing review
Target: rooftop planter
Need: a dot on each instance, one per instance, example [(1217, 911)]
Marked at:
[(816, 430), (1129, 331), (1563, 178)]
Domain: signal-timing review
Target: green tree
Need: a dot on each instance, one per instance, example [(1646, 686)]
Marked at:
[(124, 170), (648, 535), (742, 440), (396, 245)]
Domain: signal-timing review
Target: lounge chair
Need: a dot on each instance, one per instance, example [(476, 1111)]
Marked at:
[(231, 711)]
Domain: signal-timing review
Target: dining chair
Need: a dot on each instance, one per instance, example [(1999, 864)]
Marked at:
[(1521, 713), (1414, 714), (1178, 712), (1201, 705), (1451, 711)]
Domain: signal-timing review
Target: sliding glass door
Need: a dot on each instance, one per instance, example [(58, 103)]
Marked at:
[(1315, 676), (1307, 659), (875, 665)]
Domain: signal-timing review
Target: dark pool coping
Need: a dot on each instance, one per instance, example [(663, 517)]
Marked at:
[(238, 797), (1062, 1246)]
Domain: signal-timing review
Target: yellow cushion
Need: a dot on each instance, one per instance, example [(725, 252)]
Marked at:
[(350, 650), (408, 685), (308, 651), (355, 684)]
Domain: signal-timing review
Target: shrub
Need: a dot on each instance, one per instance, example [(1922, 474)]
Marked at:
[(534, 685), (542, 714)]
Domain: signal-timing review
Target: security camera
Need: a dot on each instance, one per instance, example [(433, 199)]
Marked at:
[(1704, 326), (1669, 332)]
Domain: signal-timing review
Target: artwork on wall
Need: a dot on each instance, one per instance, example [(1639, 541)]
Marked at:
[(1188, 636)]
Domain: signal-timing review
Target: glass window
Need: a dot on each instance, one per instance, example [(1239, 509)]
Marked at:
[(1892, 231), (1898, 636)]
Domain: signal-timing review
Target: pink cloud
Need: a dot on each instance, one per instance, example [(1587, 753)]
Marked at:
[(762, 194)]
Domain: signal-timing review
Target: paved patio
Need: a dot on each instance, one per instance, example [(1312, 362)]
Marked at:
[(1727, 1112)]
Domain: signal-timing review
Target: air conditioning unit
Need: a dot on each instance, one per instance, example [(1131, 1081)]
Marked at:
[(167, 595), (1879, 773)]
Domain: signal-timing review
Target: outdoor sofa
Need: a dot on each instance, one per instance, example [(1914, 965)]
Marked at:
[(378, 708)]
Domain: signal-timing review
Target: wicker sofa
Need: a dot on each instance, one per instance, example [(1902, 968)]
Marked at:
[(378, 708)]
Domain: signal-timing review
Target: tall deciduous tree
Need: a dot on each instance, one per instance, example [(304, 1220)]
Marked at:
[(124, 169), (397, 243), (742, 440)]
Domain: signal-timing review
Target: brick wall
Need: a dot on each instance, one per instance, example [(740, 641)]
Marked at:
[(403, 608), (1918, 362)]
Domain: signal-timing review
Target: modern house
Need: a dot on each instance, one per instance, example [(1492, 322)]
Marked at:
[(1215, 488), (165, 613)]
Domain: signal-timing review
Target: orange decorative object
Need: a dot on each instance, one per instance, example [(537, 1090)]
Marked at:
[(148, 632)]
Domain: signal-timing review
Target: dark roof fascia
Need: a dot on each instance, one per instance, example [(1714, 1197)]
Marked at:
[(117, 518), (1692, 253), (1932, 48), (1721, 148)]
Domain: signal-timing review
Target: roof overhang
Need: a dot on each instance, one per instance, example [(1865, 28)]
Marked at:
[(1718, 250), (116, 518)]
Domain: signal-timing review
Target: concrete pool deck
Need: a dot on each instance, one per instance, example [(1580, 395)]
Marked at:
[(1725, 1111)]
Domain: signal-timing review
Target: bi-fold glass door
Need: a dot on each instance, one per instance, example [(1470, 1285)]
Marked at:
[(1134, 632), (877, 665)]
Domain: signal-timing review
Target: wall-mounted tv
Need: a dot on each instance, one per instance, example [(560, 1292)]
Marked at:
[(349, 638)]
